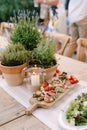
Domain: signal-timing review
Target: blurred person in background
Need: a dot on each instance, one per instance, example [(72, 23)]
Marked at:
[(44, 13), (60, 20), (53, 17), (67, 19), (44, 8), (57, 22), (47, 2), (77, 12)]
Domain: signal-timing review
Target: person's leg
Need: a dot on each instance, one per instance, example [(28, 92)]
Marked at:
[(82, 27), (44, 12), (67, 25), (70, 49)]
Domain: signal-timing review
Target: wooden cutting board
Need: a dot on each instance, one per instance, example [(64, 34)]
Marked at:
[(42, 104)]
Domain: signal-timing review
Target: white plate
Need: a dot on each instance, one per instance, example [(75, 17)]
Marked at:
[(61, 114)]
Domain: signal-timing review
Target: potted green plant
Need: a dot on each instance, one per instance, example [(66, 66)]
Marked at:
[(42, 50), (26, 33), (13, 60), (44, 56)]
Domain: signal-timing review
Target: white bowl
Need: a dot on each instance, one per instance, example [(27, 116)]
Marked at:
[(61, 114)]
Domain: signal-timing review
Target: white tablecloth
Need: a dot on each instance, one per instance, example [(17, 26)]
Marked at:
[(47, 116)]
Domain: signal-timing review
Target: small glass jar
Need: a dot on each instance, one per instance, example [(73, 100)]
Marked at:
[(36, 76)]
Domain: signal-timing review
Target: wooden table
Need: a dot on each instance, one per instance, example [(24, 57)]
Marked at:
[(12, 114)]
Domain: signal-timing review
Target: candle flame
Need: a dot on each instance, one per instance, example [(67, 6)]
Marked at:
[(35, 66), (33, 73), (35, 69)]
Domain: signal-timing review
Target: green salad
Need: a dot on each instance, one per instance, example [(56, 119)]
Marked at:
[(76, 113)]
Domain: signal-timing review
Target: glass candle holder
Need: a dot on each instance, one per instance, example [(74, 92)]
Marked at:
[(37, 77)]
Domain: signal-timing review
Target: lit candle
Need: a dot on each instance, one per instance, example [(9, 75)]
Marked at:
[(35, 69), (35, 80)]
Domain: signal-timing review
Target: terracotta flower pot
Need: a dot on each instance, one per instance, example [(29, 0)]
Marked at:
[(14, 75), (50, 71)]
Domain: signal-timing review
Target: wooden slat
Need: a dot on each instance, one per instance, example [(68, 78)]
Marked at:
[(25, 123), (10, 109), (12, 115)]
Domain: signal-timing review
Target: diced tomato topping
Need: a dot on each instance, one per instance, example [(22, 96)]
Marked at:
[(54, 75), (48, 88), (73, 80), (51, 88), (71, 77), (45, 84), (57, 71), (53, 91)]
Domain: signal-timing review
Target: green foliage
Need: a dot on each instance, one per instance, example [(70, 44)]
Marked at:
[(14, 55), (77, 111), (8, 6), (26, 33), (44, 54)]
